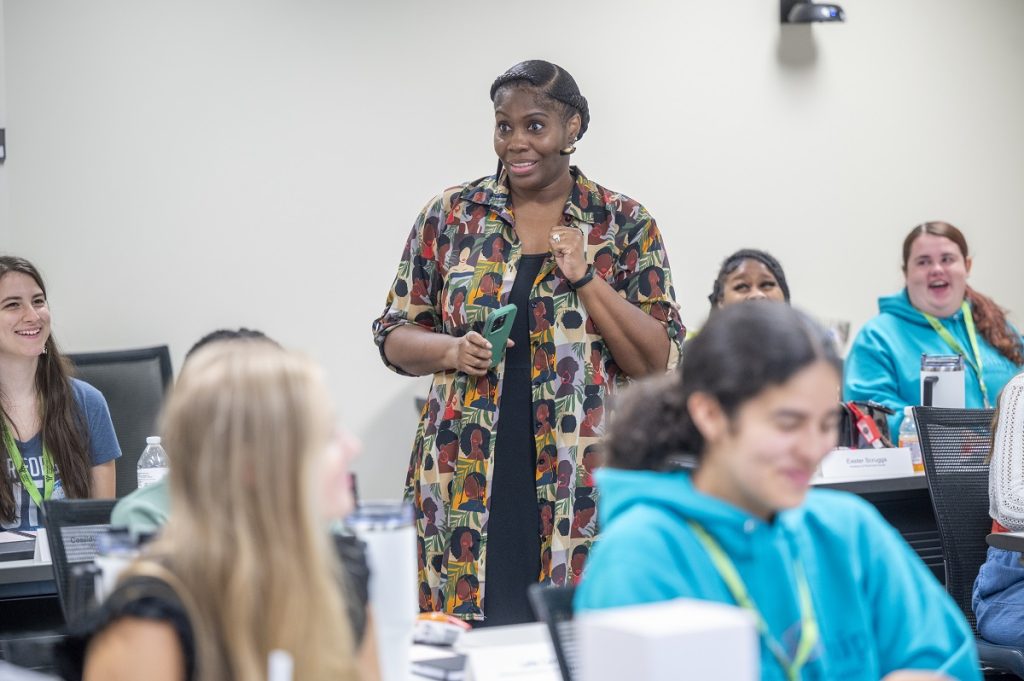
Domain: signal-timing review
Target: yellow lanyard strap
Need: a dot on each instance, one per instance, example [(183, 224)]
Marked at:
[(972, 336), (26, 479), (809, 632)]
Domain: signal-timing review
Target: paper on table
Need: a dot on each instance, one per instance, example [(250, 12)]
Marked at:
[(522, 662), (7, 537), (427, 652)]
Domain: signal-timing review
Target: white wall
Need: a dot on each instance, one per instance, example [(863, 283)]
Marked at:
[(5, 228), (186, 165)]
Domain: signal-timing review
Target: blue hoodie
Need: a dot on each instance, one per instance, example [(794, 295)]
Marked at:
[(879, 608), (884, 363)]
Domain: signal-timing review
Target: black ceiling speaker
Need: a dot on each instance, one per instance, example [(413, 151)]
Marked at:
[(803, 12)]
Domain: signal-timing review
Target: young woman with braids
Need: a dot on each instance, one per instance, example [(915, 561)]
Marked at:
[(749, 274), (936, 314), (552, 223), (56, 435)]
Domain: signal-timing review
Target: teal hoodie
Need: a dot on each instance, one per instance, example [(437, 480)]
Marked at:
[(879, 608), (884, 362)]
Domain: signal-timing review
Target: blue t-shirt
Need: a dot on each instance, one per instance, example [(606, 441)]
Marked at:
[(103, 447)]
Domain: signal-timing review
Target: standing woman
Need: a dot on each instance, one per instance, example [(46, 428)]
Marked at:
[(544, 224), (57, 437), (936, 314)]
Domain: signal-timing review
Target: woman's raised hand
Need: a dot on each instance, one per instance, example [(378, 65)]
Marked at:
[(566, 244)]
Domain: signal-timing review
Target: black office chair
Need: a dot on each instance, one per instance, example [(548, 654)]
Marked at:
[(71, 529), (955, 444), (133, 383), (553, 606)]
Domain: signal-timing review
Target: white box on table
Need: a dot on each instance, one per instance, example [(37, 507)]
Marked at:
[(678, 639)]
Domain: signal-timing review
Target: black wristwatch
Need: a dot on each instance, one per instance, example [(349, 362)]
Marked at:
[(582, 281)]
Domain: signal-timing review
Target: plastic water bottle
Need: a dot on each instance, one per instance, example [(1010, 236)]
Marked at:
[(908, 438), (153, 463)]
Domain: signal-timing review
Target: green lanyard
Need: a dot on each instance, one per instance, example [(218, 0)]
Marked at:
[(972, 335), (26, 480), (809, 632)]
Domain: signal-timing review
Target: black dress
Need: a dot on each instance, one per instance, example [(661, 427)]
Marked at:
[(513, 524)]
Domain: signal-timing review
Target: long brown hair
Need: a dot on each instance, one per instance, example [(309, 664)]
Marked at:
[(988, 317), (65, 433)]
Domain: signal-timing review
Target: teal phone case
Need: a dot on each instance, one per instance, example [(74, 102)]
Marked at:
[(497, 329)]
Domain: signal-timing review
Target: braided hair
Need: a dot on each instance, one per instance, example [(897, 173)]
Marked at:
[(553, 82), (733, 261)]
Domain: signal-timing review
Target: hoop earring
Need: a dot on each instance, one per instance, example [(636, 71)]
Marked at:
[(571, 149)]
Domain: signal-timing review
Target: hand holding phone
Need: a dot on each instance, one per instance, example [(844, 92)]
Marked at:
[(496, 331)]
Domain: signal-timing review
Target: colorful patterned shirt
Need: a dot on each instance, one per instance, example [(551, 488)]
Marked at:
[(459, 264)]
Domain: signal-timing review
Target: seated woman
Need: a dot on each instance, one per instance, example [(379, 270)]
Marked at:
[(998, 599), (937, 313), (245, 564), (57, 437), (749, 274), (752, 415)]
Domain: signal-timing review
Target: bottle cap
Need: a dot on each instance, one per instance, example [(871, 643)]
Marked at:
[(908, 411), (153, 440)]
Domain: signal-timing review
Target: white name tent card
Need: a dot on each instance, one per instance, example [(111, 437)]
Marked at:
[(679, 639), (841, 465), (518, 652)]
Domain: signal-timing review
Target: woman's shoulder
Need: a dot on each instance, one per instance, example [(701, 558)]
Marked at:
[(133, 648), (896, 319), (613, 202), (137, 597), (841, 514), (94, 408), (142, 596), (86, 394), (481, 190), (1016, 383)]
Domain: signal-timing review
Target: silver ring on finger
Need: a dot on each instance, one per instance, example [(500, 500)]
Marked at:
[(557, 238)]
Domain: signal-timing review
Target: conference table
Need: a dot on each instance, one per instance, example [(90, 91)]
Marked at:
[(28, 596), (26, 578), (522, 652)]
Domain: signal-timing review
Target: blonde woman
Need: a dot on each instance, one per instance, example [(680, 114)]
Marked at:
[(245, 564)]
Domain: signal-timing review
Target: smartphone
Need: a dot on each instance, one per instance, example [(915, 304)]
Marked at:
[(497, 329)]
